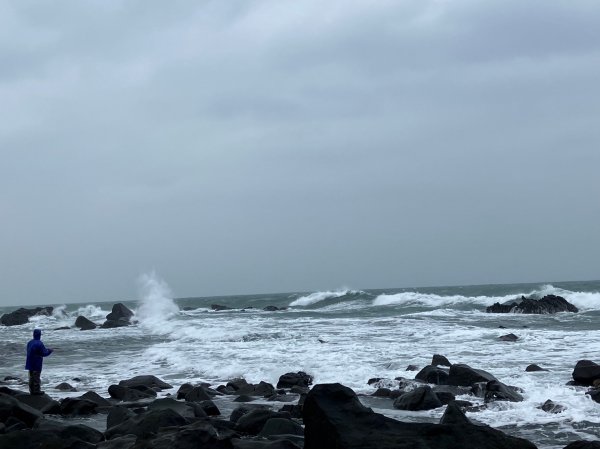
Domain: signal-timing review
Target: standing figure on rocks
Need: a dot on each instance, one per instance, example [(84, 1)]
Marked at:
[(36, 351)]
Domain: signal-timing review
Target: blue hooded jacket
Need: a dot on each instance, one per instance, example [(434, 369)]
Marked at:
[(36, 351)]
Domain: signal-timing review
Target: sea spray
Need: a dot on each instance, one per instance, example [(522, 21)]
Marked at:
[(156, 305)]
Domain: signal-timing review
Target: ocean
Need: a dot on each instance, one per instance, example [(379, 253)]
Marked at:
[(345, 336)]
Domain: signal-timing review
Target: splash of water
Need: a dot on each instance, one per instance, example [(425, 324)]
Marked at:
[(156, 303)]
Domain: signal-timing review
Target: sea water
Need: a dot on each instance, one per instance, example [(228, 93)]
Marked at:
[(346, 336)]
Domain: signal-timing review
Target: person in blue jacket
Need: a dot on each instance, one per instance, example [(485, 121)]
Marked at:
[(36, 351)]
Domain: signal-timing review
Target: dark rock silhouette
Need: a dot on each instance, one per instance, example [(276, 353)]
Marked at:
[(547, 304), (22, 315), (84, 324), (440, 360), (289, 380), (119, 317), (586, 372)]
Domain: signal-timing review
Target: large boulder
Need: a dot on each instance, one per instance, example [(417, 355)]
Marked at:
[(335, 418), (12, 408), (422, 398), (96, 398), (77, 407), (290, 380), (253, 421), (440, 360), (281, 426), (497, 391), (586, 372), (548, 304), (185, 409), (22, 315), (581, 444), (199, 435), (129, 394), (43, 403), (433, 374), (147, 424), (84, 324), (463, 375), (119, 317), (145, 381)]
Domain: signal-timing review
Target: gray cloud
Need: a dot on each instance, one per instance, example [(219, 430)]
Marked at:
[(243, 148)]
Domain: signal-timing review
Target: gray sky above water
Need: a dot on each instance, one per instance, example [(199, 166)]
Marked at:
[(244, 147)]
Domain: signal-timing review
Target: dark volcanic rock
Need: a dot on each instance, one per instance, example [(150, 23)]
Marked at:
[(552, 407), (124, 442), (548, 304), (96, 398), (218, 307), (583, 445), (147, 424), (335, 418), (281, 426), (440, 360), (70, 431), (262, 444), (422, 398), (119, 311), (586, 372), (64, 386), (145, 381), (432, 375), (497, 391), (118, 415), (77, 407), (22, 315), (463, 375), (594, 394), (508, 337), (412, 368), (84, 324), (185, 409), (183, 390), (253, 421), (12, 408), (454, 415), (43, 403), (128, 394), (289, 380), (199, 435), (533, 367), (197, 394)]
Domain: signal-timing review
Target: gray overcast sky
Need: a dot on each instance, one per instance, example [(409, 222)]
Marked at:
[(245, 147)]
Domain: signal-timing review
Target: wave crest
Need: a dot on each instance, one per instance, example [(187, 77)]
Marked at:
[(316, 297)]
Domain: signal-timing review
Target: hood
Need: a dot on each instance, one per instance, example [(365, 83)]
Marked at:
[(37, 334)]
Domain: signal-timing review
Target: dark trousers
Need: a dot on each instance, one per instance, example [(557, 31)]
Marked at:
[(35, 382)]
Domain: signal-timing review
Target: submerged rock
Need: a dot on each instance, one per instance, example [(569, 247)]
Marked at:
[(533, 367), (508, 337), (546, 305), (552, 407)]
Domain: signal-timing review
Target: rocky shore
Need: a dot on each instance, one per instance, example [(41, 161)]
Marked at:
[(147, 412)]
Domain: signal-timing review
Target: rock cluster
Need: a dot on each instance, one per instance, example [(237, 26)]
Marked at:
[(546, 305), (22, 315)]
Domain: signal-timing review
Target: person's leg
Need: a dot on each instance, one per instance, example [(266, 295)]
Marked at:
[(35, 382)]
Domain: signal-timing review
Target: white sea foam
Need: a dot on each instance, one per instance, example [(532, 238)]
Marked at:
[(91, 311), (156, 303), (316, 297)]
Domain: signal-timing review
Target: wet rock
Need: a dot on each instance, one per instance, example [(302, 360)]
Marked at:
[(70, 431), (412, 368), (594, 394), (22, 315), (497, 391), (152, 382), (289, 380), (94, 397), (183, 390), (463, 375), (454, 415), (240, 411), (533, 367), (219, 307), (77, 407), (119, 312), (64, 386), (147, 424), (552, 407), (432, 375), (199, 435), (118, 415), (128, 394), (12, 408), (373, 380), (583, 445), (586, 372), (210, 408), (124, 442), (43, 403), (244, 398), (197, 394), (422, 398), (261, 444), (84, 324), (185, 409), (382, 393), (253, 421), (265, 389), (335, 418), (271, 308), (508, 337), (440, 360), (546, 305), (281, 426)]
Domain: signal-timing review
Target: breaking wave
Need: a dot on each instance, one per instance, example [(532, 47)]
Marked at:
[(316, 297)]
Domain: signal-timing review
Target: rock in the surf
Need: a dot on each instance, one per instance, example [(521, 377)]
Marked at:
[(440, 360), (586, 372), (289, 380), (546, 305), (334, 417), (533, 368), (84, 324), (508, 337), (433, 374), (552, 407), (22, 315), (148, 381), (120, 316), (497, 391), (463, 375), (422, 398)]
